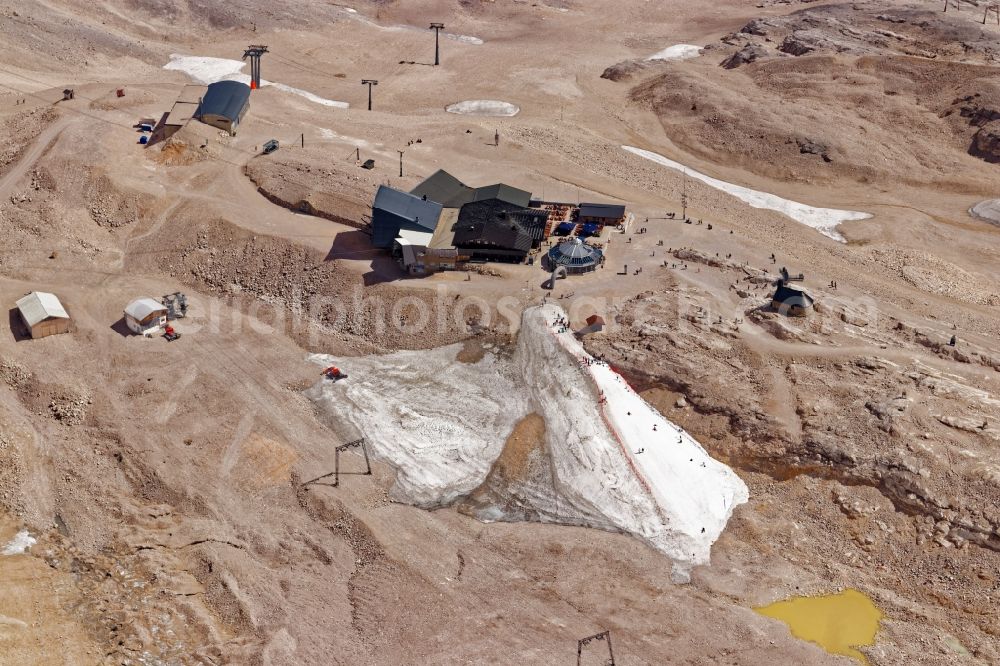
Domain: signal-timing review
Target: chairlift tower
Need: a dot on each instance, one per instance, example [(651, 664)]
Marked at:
[(254, 52), (369, 83), (437, 28)]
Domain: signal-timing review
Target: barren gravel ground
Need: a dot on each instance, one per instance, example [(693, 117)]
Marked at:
[(164, 482)]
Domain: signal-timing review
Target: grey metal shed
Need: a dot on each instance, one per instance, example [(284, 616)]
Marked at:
[(224, 105)]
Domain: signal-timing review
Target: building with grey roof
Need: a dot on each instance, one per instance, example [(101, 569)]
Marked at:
[(224, 105), (504, 193), (394, 211), (445, 189), (450, 192), (492, 239), (575, 256), (601, 214)]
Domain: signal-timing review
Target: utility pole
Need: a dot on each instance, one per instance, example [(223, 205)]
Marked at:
[(400, 163), (437, 28), (684, 196), (369, 83), (254, 52)]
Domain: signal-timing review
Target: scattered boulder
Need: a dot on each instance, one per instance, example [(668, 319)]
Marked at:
[(796, 46), (986, 142), (810, 147), (748, 54), (623, 70), (757, 27)]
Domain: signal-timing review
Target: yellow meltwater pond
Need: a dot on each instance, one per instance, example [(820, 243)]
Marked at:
[(838, 623)]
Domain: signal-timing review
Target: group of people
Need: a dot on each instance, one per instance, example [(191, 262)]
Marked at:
[(561, 324)]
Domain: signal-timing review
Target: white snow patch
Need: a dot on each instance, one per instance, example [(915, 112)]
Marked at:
[(20, 544), (308, 95), (330, 135), (824, 220), (483, 107), (439, 422), (361, 18), (677, 52), (617, 465), (206, 70), (988, 211), (622, 459), (465, 39)]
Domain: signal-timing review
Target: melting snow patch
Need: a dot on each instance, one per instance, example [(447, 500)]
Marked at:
[(20, 544), (205, 70), (988, 211), (333, 136), (465, 39), (677, 52), (439, 422), (483, 107), (614, 462), (361, 18), (308, 95), (824, 220)]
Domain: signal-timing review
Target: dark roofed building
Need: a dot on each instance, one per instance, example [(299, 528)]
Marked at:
[(486, 232), (394, 211), (602, 214), (450, 192), (504, 193), (791, 300), (533, 221), (224, 105), (445, 189), (491, 223)]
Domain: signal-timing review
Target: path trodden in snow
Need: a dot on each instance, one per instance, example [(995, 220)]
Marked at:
[(823, 220), (613, 462), (615, 452)]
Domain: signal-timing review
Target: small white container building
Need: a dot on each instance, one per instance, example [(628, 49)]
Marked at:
[(145, 316), (43, 314)]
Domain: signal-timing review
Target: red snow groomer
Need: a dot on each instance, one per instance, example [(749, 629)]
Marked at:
[(333, 373), (170, 334)]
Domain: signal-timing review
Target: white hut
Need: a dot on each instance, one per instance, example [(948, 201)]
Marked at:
[(43, 314), (145, 316)]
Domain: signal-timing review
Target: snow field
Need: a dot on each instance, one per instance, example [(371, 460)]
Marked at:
[(206, 70), (617, 464), (484, 107), (824, 220)]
